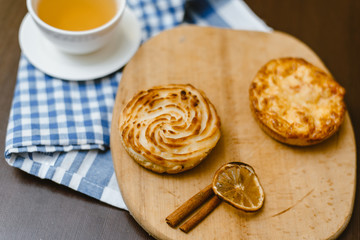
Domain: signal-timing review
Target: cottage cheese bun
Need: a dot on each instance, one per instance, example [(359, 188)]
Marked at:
[(169, 128), (295, 102)]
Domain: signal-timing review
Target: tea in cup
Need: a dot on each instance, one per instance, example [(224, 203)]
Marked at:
[(77, 26)]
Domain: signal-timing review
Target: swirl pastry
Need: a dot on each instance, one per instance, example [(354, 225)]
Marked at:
[(169, 128), (296, 103)]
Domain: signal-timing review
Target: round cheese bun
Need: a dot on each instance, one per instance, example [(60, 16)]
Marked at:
[(169, 128), (295, 102)]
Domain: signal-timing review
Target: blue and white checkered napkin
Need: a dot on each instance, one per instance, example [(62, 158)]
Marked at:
[(60, 130)]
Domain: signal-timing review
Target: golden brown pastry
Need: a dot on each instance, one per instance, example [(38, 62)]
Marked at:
[(169, 128), (295, 102)]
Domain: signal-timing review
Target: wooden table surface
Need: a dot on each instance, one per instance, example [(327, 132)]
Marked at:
[(31, 208)]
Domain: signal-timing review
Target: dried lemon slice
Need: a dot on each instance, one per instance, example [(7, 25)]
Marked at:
[(237, 184)]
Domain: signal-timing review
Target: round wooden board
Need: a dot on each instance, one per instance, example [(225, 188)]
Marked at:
[(309, 191)]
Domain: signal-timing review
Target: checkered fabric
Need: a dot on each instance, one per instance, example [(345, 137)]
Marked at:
[(60, 130)]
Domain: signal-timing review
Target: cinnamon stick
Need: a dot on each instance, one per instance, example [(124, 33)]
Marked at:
[(189, 206), (201, 214)]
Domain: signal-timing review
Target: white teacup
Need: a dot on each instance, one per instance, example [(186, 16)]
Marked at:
[(77, 42)]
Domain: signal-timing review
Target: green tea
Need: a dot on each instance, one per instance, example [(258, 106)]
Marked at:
[(76, 15)]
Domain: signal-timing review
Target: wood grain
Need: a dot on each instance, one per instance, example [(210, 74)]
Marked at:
[(309, 191)]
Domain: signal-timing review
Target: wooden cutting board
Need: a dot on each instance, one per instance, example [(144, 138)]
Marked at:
[(309, 191)]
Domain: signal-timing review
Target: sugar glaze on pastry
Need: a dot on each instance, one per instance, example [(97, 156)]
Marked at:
[(295, 102), (169, 128)]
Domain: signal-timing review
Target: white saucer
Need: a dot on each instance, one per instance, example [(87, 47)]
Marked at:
[(44, 56)]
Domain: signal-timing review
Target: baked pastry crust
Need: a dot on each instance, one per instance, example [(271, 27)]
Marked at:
[(169, 128), (295, 102)]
